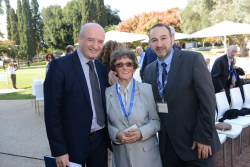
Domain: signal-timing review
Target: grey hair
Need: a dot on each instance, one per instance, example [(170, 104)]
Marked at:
[(69, 48), (172, 30), (229, 47), (86, 25), (138, 47), (160, 25)]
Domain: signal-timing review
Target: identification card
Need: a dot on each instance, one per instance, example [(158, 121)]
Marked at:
[(162, 107), (130, 128)]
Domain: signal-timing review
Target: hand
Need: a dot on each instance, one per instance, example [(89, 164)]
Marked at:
[(222, 90), (236, 67), (62, 161), (202, 150), (112, 78), (122, 137), (134, 134)]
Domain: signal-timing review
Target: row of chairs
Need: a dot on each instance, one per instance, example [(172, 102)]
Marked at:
[(237, 124), (37, 92)]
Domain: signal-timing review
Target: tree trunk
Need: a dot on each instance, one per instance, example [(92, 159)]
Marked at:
[(37, 54), (243, 48)]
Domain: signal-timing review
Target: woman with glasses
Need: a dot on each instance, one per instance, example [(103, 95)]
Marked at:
[(49, 57), (133, 120)]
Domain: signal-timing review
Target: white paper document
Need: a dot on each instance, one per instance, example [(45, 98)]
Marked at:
[(130, 128), (71, 163)]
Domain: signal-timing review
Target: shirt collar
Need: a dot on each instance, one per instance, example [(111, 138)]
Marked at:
[(82, 58), (127, 85), (143, 54), (167, 60), (229, 60)]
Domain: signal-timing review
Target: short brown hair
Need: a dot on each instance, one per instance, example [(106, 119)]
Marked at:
[(160, 25), (107, 50), (52, 56), (121, 53)]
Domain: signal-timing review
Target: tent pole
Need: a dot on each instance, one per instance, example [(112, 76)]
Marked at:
[(225, 44)]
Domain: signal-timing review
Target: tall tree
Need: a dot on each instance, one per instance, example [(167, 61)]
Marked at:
[(113, 17), (7, 4), (100, 13), (1, 12), (36, 19), (72, 15), (14, 27), (94, 11)]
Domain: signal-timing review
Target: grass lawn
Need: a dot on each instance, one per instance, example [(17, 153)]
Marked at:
[(23, 81)]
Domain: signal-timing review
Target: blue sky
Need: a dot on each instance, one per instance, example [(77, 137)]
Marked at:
[(128, 8)]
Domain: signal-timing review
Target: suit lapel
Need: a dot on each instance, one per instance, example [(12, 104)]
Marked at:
[(154, 81), (227, 63), (175, 64), (81, 76), (116, 103)]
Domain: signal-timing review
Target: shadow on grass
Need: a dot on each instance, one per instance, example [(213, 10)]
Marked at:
[(15, 95)]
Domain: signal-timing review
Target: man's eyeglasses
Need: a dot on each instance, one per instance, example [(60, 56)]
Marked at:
[(120, 65)]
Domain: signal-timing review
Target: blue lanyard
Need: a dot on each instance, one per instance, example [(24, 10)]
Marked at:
[(231, 70), (131, 102), (161, 87), (235, 74)]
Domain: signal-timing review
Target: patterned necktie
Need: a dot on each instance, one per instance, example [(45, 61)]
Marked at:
[(96, 94), (164, 73), (124, 91)]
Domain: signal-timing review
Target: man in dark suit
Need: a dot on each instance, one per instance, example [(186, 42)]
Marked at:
[(75, 106), (151, 57), (221, 71), (183, 91)]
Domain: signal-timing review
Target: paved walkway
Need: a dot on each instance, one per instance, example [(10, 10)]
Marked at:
[(4, 91), (23, 133)]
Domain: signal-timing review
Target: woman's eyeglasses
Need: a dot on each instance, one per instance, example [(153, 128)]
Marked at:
[(120, 65), (49, 58)]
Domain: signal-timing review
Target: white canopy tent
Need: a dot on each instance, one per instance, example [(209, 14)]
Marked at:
[(177, 36), (223, 29), (123, 37)]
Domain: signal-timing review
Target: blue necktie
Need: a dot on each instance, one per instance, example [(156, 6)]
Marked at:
[(164, 73)]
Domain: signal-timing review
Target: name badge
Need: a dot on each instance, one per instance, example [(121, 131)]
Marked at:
[(162, 107)]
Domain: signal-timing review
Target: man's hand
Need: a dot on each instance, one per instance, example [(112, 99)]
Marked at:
[(222, 90), (134, 134), (62, 161), (112, 78), (122, 137), (203, 150)]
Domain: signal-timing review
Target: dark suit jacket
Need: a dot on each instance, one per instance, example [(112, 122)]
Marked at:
[(150, 57), (190, 96), (68, 112), (220, 73)]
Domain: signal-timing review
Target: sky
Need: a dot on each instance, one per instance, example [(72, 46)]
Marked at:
[(128, 8)]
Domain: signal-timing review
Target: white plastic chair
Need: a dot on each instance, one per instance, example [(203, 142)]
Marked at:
[(223, 139), (223, 106), (33, 91), (236, 98), (36, 79), (39, 95), (246, 89)]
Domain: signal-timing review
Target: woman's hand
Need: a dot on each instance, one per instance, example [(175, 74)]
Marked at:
[(122, 137), (134, 135)]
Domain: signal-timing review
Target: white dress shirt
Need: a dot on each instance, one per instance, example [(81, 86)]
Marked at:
[(122, 95), (95, 126), (11, 70)]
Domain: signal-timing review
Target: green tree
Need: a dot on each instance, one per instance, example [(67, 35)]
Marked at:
[(56, 33), (94, 11), (36, 19), (113, 17), (217, 11), (72, 15), (14, 27), (7, 4), (1, 13)]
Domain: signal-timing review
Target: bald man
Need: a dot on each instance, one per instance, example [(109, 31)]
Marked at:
[(221, 71), (75, 105)]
